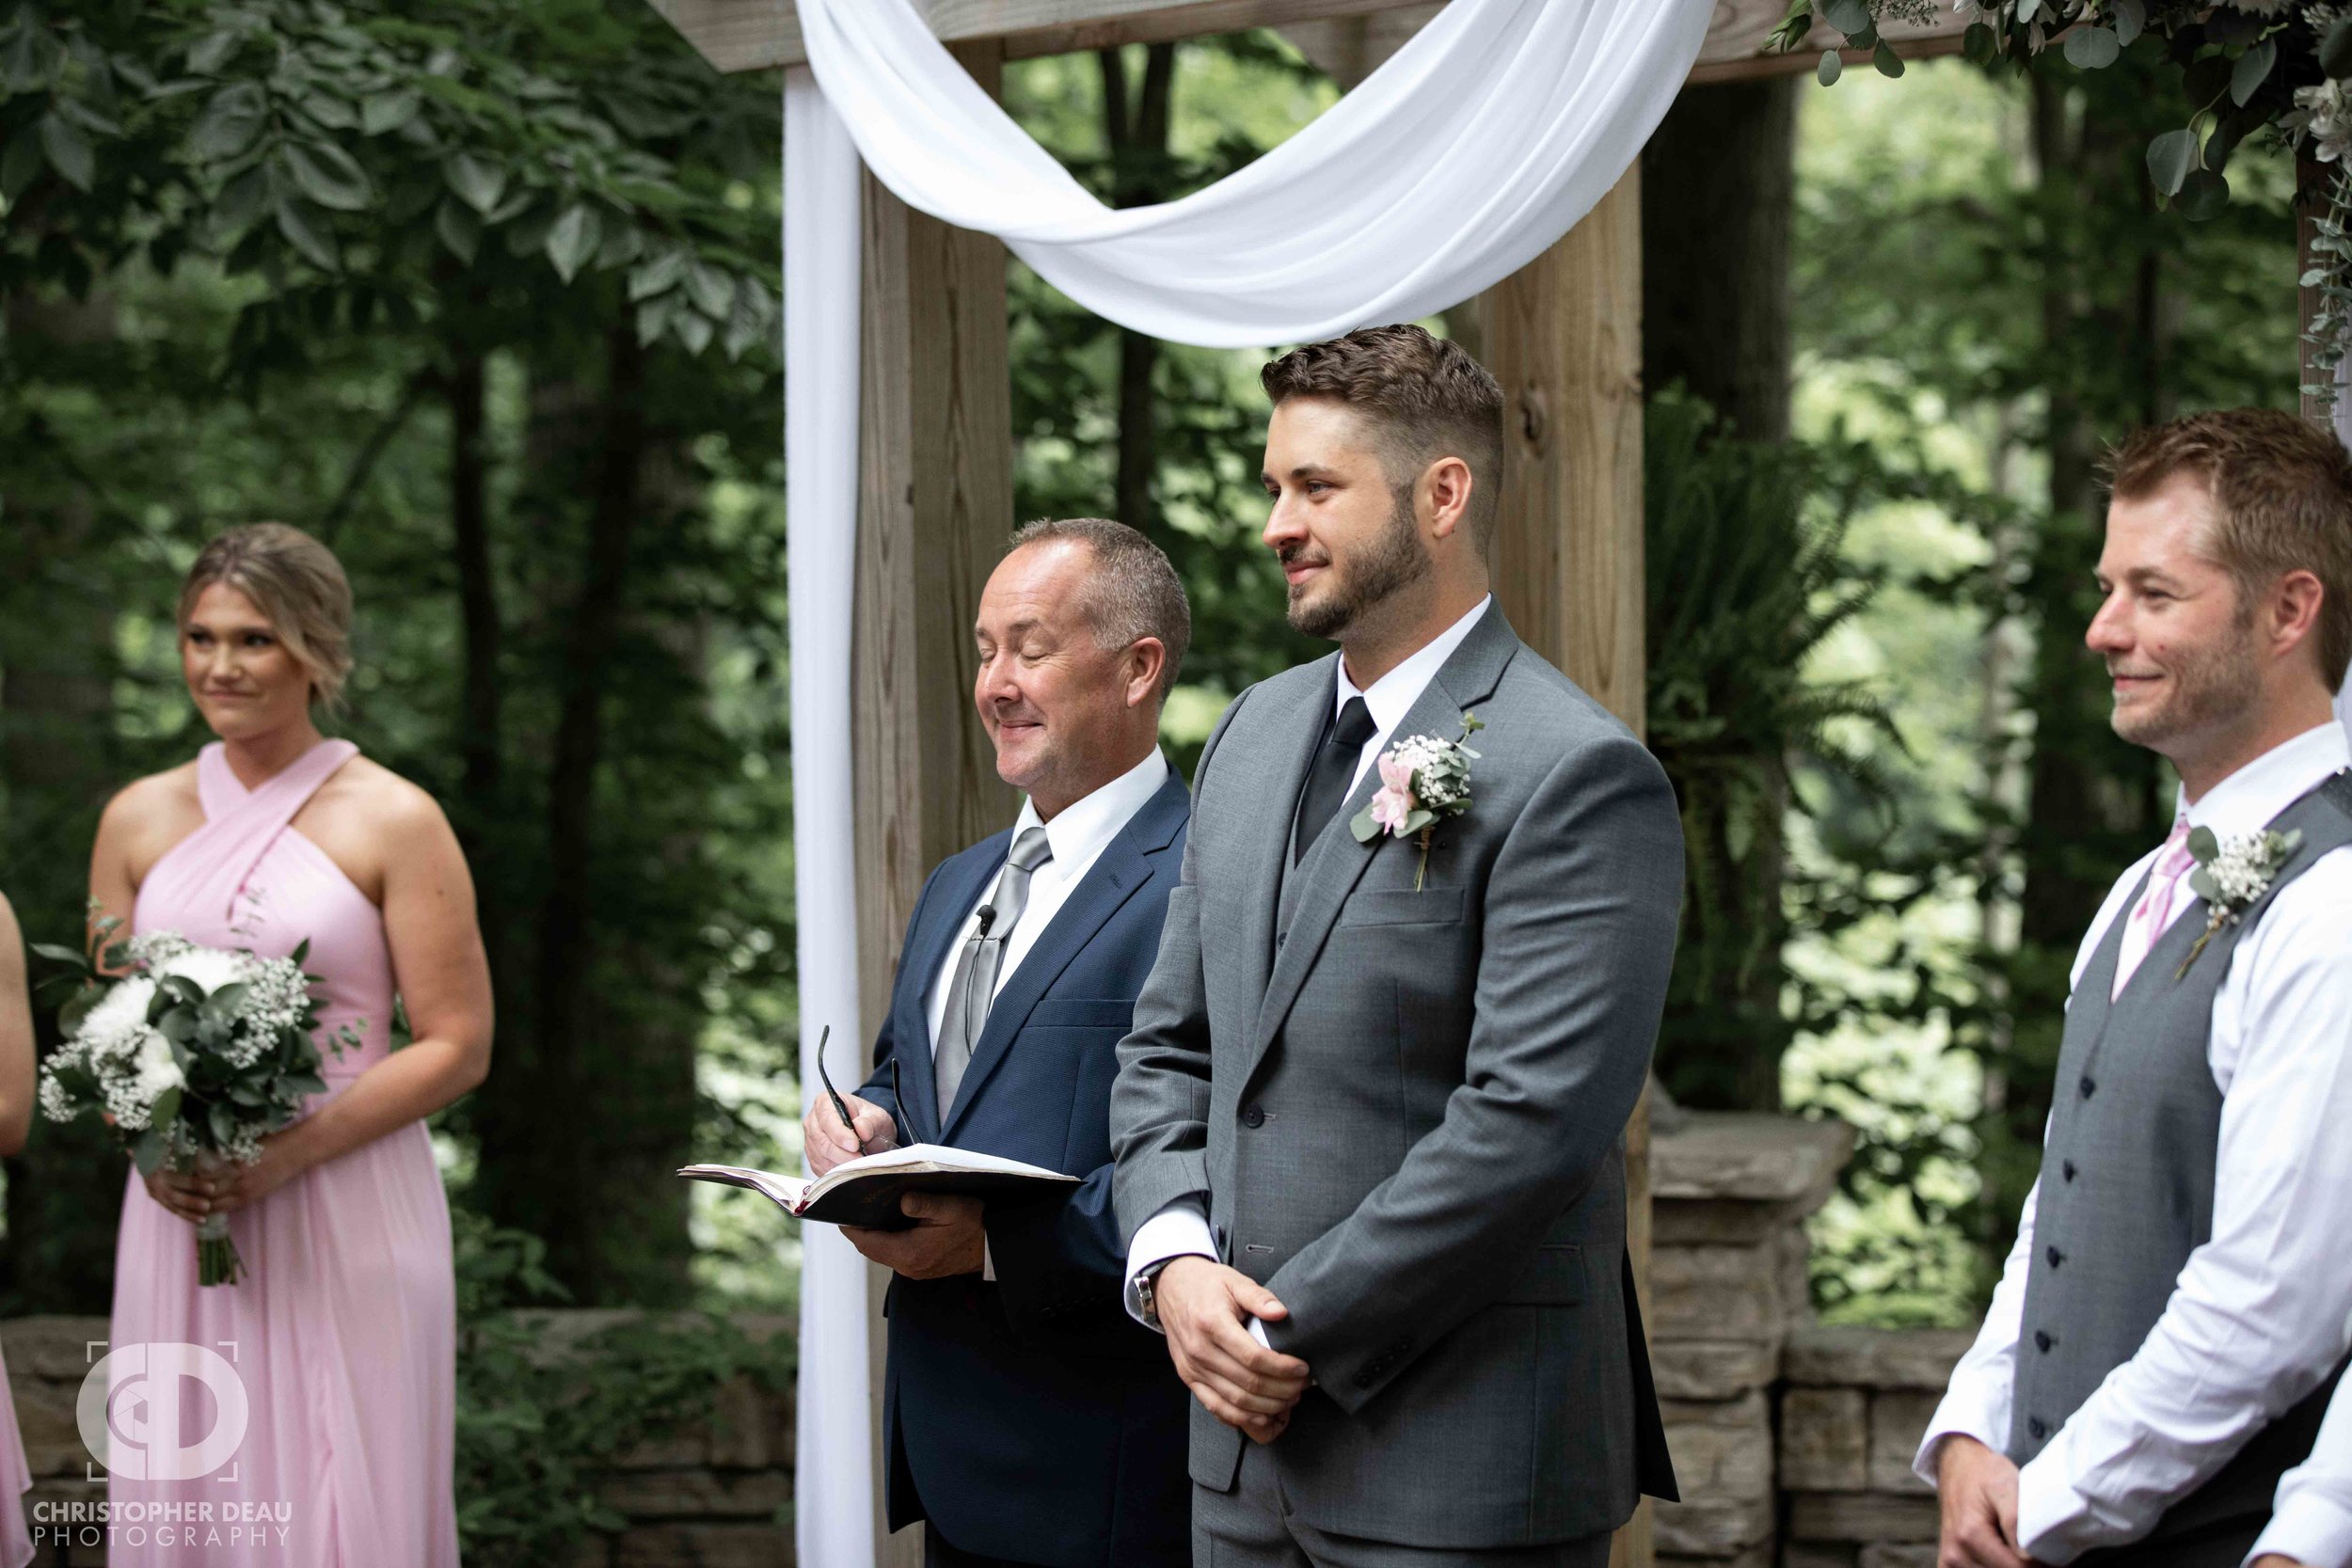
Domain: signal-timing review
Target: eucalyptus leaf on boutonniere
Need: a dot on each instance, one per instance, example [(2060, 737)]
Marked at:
[(1424, 780), (2232, 875)]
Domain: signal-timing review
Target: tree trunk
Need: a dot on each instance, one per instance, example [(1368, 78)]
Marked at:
[(1717, 184), (1136, 135)]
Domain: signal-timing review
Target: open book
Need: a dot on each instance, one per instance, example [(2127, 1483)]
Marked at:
[(865, 1191)]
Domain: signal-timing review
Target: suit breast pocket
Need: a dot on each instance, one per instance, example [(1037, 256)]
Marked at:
[(1083, 1012), (1394, 907)]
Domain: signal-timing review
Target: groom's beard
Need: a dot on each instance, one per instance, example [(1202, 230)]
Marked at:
[(1362, 582), (2212, 689)]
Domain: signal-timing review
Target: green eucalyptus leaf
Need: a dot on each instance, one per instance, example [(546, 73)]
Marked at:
[(2201, 882), (1848, 16), (2251, 70), (150, 1150), (1980, 43), (77, 1007), (2335, 49), (68, 150), (1889, 62), (2206, 195), (2092, 48), (222, 1122), (2170, 157), (2130, 19), (73, 956), (167, 1109), (2203, 847)]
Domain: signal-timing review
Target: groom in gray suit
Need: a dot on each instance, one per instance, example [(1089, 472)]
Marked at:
[(1368, 1121)]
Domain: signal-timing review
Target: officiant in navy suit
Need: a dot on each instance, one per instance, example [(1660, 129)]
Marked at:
[(1029, 1419)]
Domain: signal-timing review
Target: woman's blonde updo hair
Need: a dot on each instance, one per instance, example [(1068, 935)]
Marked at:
[(296, 581)]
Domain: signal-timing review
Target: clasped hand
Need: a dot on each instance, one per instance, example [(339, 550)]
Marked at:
[(1978, 1491), (192, 1195), (1205, 1309)]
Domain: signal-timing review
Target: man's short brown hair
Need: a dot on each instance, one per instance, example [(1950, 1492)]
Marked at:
[(2282, 490), (1425, 397)]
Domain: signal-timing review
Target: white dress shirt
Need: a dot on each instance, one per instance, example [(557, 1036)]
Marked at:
[(2312, 1519), (1079, 834), (1181, 1228), (2258, 1318)]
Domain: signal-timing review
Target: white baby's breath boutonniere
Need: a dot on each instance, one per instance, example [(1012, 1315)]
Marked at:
[(2232, 875), (1422, 779)]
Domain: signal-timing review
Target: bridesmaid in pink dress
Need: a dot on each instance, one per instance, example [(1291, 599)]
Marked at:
[(343, 1326), (16, 1117)]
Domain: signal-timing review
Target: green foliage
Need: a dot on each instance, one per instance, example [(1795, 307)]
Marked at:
[(539, 1423)]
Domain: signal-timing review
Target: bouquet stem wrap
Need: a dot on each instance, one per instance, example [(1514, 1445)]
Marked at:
[(216, 1260)]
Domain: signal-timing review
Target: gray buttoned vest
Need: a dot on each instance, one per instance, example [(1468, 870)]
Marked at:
[(2127, 1186)]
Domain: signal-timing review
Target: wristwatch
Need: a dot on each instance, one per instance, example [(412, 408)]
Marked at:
[(1147, 1306)]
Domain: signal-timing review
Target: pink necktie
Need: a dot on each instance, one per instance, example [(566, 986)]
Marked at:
[(2155, 910)]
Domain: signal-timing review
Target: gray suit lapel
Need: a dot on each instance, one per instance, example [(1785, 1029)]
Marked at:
[(1333, 867), (1280, 763)]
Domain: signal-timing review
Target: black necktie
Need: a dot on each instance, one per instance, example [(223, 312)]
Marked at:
[(1333, 772)]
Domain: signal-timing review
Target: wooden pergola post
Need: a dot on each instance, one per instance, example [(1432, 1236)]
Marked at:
[(1564, 336)]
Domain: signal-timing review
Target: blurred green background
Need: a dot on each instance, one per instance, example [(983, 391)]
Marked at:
[(483, 294)]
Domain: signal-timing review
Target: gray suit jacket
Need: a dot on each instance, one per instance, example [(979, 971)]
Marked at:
[(1406, 1109)]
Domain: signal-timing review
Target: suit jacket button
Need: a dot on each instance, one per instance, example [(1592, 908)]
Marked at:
[(1253, 1115), (2042, 1340)]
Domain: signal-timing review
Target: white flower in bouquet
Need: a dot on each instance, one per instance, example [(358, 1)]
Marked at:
[(192, 1055)]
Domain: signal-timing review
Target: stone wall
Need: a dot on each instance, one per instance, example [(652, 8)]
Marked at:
[(1854, 1403), (716, 1493)]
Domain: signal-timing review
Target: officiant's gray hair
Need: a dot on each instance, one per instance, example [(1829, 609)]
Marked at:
[(1132, 592)]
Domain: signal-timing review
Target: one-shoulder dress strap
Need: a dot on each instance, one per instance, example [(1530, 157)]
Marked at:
[(211, 866)]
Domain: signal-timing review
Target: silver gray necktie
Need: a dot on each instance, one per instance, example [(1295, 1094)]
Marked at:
[(973, 989)]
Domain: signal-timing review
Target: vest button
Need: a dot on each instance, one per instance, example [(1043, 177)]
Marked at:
[(1253, 1115), (2038, 1427), (2067, 1167), (1281, 937), (2089, 1087), (2055, 1257), (2042, 1341)]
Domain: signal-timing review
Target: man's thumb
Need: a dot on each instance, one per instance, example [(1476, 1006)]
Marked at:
[(1259, 1303)]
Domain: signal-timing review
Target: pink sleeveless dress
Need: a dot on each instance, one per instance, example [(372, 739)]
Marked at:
[(16, 1541), (344, 1329)]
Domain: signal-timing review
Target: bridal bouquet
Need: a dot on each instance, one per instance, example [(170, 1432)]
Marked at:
[(189, 1054)]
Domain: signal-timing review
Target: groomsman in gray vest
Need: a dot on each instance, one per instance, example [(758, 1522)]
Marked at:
[(1368, 1123), (2172, 1320)]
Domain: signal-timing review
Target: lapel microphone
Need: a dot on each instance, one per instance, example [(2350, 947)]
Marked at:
[(988, 918)]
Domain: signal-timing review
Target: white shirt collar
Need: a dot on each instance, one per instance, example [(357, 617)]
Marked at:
[(1393, 696), (2246, 800), (1082, 829)]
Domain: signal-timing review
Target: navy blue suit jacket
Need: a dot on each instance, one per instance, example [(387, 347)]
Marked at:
[(1032, 1418)]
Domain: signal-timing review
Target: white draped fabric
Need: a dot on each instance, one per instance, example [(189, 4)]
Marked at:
[(1458, 162), (1461, 160)]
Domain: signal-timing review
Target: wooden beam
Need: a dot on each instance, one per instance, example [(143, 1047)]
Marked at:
[(1564, 336), (934, 512), (756, 35)]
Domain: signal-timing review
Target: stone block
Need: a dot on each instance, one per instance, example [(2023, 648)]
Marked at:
[(45, 1415), (1823, 1357), (1712, 1369), (1898, 1419), (1722, 1451), (1713, 1527), (52, 1346), (1749, 1157), (1717, 1292), (1752, 1557), (697, 1493), (751, 1428), (1718, 1222), (1825, 1440), (703, 1545), (1898, 1557), (1863, 1518)]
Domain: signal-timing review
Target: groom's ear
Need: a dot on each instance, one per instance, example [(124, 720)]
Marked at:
[(1446, 485)]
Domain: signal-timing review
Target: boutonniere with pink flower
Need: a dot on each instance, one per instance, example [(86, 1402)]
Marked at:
[(1424, 780)]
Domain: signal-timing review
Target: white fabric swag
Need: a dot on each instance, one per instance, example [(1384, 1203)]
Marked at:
[(1461, 160)]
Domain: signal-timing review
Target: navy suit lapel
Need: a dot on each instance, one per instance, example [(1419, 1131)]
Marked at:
[(960, 886), (1123, 866), (1338, 861)]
